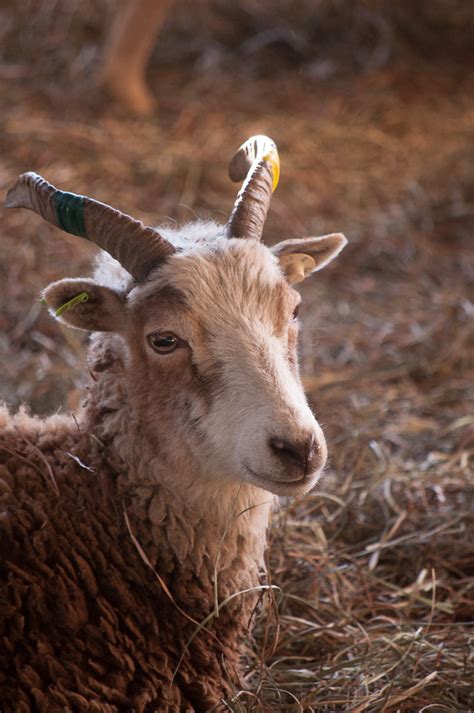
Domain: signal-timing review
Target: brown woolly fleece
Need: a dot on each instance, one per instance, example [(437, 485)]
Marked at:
[(86, 625)]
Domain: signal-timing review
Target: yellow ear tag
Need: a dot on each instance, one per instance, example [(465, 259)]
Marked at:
[(297, 266)]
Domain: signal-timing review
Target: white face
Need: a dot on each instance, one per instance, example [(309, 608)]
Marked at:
[(213, 352)]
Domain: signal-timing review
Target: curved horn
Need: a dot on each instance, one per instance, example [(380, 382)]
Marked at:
[(257, 161), (137, 247)]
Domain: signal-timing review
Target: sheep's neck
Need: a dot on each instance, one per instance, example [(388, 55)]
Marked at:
[(216, 542)]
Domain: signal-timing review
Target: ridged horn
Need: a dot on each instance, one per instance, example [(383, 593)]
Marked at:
[(137, 247), (257, 162)]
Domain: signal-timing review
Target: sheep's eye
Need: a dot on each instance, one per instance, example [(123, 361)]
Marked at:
[(163, 342), (296, 312)]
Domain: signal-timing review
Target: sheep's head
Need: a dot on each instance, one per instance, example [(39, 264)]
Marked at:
[(210, 329)]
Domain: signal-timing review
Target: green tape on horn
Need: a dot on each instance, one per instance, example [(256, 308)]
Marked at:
[(69, 209)]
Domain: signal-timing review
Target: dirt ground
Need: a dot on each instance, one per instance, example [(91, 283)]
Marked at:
[(377, 567)]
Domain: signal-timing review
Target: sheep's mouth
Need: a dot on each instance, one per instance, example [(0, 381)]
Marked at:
[(281, 487)]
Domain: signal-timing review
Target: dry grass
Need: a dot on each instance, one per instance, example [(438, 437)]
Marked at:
[(377, 567)]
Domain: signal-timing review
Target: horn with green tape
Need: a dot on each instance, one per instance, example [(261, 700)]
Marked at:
[(257, 162), (137, 247)]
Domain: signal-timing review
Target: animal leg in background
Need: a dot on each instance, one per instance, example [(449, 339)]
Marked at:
[(128, 48)]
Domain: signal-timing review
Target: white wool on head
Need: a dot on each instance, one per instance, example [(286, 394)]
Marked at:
[(191, 234), (110, 273)]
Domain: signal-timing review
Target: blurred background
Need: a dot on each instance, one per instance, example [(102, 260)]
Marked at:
[(371, 105)]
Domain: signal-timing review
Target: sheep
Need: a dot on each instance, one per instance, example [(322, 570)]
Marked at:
[(133, 533)]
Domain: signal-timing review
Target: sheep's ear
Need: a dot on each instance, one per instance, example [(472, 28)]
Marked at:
[(299, 258), (83, 304)]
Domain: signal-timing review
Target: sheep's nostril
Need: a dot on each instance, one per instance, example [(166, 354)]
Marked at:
[(301, 453)]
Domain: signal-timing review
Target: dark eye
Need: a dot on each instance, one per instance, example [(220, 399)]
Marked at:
[(163, 342), (296, 312)]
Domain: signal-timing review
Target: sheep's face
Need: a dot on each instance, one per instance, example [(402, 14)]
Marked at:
[(212, 365), (217, 331)]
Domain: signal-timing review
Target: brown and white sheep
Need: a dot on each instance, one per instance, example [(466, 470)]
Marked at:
[(123, 528)]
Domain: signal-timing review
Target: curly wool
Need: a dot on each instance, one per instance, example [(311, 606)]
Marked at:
[(86, 624)]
